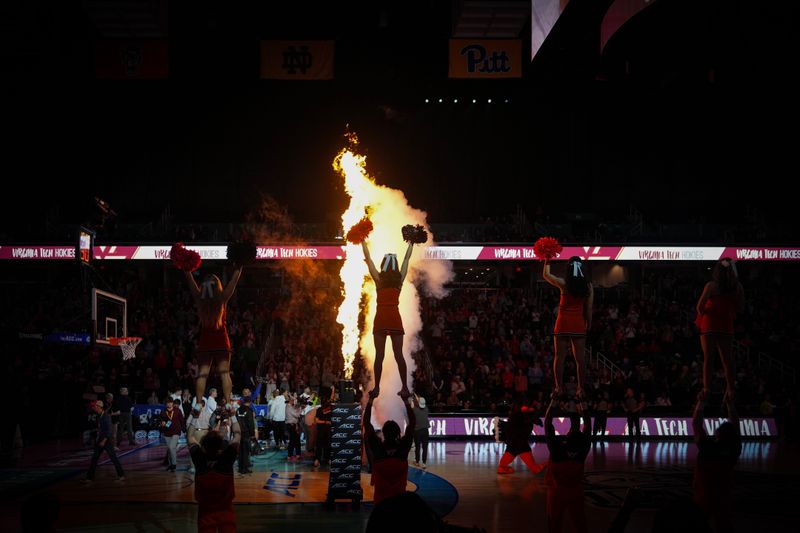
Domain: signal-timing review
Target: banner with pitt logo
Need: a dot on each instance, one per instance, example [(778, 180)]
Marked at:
[(345, 478), (485, 58), (297, 60)]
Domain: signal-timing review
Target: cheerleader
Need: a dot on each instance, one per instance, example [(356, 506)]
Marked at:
[(574, 318), (214, 345), (721, 299), (389, 281)]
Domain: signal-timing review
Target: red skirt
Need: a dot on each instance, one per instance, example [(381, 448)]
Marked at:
[(214, 340), (388, 320)]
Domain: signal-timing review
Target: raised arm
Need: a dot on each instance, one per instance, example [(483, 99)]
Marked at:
[(237, 431), (367, 418), (549, 430), (697, 419), (368, 258), (231, 286), (587, 420), (193, 288), (191, 435), (404, 268), (551, 279), (733, 415), (587, 307), (412, 418)]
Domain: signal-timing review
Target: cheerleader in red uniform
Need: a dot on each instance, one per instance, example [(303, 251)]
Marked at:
[(387, 317), (214, 345), (722, 298), (574, 318)]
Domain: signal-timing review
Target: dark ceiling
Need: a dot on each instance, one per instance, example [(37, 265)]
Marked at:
[(686, 97)]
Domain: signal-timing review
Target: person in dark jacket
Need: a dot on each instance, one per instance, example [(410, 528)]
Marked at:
[(247, 425), (103, 443)]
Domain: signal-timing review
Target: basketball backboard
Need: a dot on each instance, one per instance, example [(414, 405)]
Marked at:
[(109, 316)]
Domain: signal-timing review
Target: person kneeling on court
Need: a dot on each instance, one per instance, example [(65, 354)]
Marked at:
[(213, 483), (390, 455)]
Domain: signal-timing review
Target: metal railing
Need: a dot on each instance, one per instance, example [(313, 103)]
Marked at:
[(597, 359)]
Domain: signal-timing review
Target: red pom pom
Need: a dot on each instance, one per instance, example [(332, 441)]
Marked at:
[(183, 259), (547, 248), (359, 232)]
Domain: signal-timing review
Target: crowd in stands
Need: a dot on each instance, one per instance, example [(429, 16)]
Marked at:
[(483, 347)]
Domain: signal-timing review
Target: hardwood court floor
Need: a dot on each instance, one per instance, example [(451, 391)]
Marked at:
[(460, 483)]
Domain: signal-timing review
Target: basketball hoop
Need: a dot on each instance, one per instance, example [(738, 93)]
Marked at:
[(128, 345)]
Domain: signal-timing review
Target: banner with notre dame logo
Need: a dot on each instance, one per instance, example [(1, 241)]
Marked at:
[(297, 60), (485, 58), (131, 59), (345, 478)]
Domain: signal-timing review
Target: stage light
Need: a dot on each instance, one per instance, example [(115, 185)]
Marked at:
[(455, 100), (474, 101), (489, 101), (427, 101), (506, 100), (441, 100)]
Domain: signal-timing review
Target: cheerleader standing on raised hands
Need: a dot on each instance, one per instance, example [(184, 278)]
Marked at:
[(574, 318), (721, 299), (214, 345), (389, 281)]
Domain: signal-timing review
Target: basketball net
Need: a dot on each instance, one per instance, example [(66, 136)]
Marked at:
[(128, 346)]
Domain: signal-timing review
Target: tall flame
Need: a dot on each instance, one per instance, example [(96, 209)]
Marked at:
[(389, 211)]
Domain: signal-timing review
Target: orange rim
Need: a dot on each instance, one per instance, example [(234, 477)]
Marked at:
[(116, 341)]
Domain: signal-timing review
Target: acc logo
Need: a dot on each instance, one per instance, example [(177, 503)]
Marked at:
[(347, 426), (357, 433), (339, 436), (353, 467), (354, 417), (335, 470), (347, 451), (347, 475), (339, 486), (337, 444), (339, 461), (336, 419), (354, 442), (342, 410), (356, 492)]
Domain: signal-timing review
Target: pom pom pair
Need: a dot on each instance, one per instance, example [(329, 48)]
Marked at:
[(184, 259), (360, 230), (547, 248), (414, 234)]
